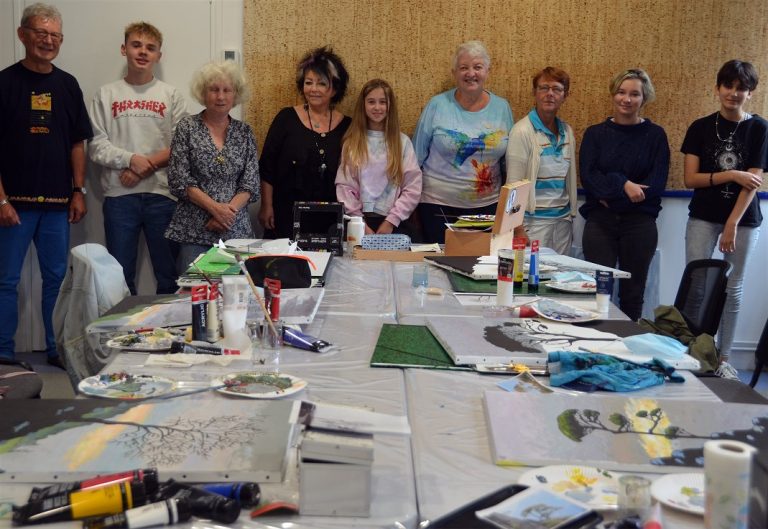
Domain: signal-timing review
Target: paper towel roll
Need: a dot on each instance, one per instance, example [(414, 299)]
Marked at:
[(727, 466)]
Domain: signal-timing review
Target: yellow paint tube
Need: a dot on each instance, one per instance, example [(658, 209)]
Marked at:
[(80, 504)]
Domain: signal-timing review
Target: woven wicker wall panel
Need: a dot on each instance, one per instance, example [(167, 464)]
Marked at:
[(681, 43)]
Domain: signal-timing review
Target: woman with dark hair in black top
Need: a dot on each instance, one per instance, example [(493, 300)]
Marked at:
[(303, 146)]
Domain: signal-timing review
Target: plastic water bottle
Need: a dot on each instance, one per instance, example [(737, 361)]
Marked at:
[(355, 232)]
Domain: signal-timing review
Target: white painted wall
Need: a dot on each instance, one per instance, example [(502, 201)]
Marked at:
[(194, 32)]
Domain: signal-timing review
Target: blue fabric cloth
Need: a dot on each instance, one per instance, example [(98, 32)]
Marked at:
[(592, 371), (49, 230), (128, 215)]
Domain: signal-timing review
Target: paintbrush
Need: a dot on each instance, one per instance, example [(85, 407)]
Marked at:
[(205, 276), (241, 263)]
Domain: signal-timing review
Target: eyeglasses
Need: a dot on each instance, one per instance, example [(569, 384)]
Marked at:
[(544, 88), (42, 34)]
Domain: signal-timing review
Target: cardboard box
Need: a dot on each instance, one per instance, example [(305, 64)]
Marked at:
[(335, 473), (510, 212), (334, 489), (390, 255)]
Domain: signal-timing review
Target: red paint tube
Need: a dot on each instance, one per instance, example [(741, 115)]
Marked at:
[(148, 476), (272, 286), (199, 312)]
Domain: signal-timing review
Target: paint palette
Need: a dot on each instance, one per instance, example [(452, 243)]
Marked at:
[(584, 287), (125, 386), (684, 492), (595, 487), (259, 385), (156, 340)]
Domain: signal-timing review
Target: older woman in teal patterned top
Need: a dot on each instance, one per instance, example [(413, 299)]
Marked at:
[(460, 142)]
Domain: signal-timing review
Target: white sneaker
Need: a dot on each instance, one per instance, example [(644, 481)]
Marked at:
[(726, 370)]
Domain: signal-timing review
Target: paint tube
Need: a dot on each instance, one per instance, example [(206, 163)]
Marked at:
[(199, 311), (518, 245), (213, 329), (148, 476), (300, 340), (247, 493), (167, 512), (202, 348), (80, 504), (272, 289), (533, 268), (203, 504)]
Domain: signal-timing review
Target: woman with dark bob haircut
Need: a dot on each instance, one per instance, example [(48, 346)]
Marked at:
[(726, 153), (303, 146)]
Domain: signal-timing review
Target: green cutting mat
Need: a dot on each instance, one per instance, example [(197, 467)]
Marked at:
[(410, 346)]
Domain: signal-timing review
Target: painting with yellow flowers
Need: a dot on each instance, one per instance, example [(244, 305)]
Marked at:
[(615, 433), (187, 438)]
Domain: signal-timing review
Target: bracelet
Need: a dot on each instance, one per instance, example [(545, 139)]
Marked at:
[(711, 181), (3, 202)]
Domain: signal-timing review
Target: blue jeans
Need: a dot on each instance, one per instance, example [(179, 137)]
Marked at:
[(434, 216), (49, 230), (701, 237), (125, 217), (626, 241)]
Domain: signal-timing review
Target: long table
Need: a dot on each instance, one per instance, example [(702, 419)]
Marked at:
[(446, 461)]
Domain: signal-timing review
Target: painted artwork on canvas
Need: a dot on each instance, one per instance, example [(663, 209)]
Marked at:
[(189, 439), (526, 341), (617, 433)]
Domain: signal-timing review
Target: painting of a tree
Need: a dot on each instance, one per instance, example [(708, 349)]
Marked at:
[(621, 433), (186, 437)]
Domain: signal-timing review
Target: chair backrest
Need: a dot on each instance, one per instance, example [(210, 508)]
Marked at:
[(761, 353), (701, 295), (94, 283)]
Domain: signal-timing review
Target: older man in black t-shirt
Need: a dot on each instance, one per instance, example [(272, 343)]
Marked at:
[(43, 125)]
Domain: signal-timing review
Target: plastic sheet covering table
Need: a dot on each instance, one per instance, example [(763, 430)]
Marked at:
[(358, 287), (414, 306), (341, 378), (451, 452)]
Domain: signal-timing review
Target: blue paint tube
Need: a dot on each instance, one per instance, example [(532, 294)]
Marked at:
[(300, 340), (247, 493), (203, 504)]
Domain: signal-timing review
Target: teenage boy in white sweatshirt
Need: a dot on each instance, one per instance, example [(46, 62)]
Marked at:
[(133, 123)]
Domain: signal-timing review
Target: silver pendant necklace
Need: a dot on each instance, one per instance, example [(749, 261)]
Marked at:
[(729, 157), (321, 150)]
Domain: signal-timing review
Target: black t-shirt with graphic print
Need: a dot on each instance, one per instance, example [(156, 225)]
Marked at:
[(743, 149)]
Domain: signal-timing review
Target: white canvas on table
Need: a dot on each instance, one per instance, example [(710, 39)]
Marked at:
[(527, 341), (186, 438), (616, 433)]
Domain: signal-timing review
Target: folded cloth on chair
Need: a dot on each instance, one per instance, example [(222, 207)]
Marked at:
[(669, 322), (593, 371)]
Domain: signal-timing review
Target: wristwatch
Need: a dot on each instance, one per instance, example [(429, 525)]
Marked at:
[(3, 202), (79, 190)]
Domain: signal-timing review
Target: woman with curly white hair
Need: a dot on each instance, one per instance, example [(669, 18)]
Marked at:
[(213, 169)]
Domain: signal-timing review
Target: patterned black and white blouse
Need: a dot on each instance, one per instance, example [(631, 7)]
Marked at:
[(196, 162)]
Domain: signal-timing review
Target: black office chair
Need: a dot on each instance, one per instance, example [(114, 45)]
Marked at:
[(761, 356), (701, 295)]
